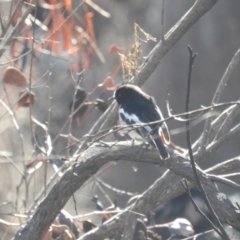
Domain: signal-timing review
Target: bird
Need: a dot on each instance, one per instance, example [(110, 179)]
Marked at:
[(137, 107)]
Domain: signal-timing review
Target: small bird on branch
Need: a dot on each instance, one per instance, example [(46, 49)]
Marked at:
[(136, 107)]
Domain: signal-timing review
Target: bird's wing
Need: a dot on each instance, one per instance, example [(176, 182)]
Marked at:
[(133, 119), (155, 114)]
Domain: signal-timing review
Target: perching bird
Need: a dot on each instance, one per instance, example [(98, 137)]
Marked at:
[(136, 107)]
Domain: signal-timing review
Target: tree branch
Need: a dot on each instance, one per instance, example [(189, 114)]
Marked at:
[(160, 192), (221, 86)]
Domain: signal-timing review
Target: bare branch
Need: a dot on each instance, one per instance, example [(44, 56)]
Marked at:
[(226, 166), (221, 86), (161, 191), (219, 228), (162, 20), (15, 30)]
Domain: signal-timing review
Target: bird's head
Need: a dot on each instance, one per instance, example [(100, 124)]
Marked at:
[(126, 93)]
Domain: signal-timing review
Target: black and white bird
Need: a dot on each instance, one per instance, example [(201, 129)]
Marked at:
[(136, 107)]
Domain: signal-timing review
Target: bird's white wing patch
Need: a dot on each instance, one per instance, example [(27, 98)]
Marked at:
[(133, 118)]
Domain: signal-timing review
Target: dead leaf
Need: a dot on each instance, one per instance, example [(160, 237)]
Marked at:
[(26, 99), (48, 234), (107, 82), (113, 88), (87, 226), (116, 49), (68, 4), (62, 232), (82, 110), (14, 77), (100, 105)]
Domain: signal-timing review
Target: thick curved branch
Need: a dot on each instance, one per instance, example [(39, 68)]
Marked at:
[(93, 159)]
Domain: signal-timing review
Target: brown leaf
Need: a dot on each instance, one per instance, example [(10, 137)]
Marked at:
[(67, 36), (100, 105), (83, 109), (14, 77), (116, 49), (87, 226), (113, 88), (26, 99), (107, 82), (62, 232), (48, 234)]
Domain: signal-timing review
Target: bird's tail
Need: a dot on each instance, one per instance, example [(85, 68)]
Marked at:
[(161, 148)]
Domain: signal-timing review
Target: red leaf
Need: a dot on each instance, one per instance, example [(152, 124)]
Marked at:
[(14, 77)]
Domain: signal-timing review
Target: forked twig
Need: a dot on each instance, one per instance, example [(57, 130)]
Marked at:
[(219, 229), (218, 93)]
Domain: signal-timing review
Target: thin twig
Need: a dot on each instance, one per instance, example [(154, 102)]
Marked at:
[(221, 86), (226, 117), (162, 20), (11, 15), (130, 222), (221, 230), (17, 28), (223, 180), (203, 235), (118, 191), (226, 166), (185, 186)]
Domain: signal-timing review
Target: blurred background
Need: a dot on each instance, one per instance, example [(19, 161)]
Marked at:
[(58, 72)]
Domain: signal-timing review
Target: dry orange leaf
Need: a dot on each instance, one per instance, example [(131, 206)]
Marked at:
[(116, 49), (68, 29), (26, 99), (68, 4), (107, 82), (113, 88), (14, 77), (90, 30)]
